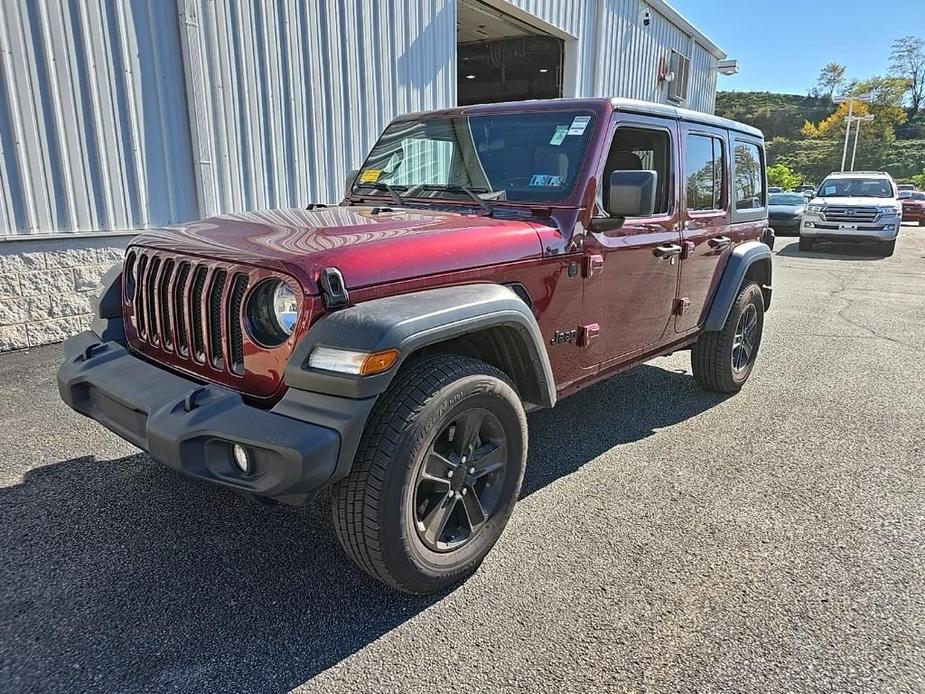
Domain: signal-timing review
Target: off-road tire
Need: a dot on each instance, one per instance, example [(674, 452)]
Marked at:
[(806, 244), (373, 506), (886, 248), (712, 354)]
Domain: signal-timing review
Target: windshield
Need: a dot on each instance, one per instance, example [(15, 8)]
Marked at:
[(786, 199), (856, 188), (916, 196), (532, 157)]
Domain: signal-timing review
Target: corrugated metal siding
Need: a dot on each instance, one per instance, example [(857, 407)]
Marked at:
[(618, 56), (121, 114), (93, 119), (289, 95)]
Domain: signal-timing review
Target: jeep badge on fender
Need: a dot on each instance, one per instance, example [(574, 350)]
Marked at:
[(389, 347)]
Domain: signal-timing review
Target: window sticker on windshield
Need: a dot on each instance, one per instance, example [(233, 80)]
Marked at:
[(545, 181), (579, 124), (370, 175), (828, 190), (559, 135)]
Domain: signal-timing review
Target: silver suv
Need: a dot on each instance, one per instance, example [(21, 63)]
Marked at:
[(855, 206)]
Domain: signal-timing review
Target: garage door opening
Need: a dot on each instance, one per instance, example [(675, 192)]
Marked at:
[(501, 58)]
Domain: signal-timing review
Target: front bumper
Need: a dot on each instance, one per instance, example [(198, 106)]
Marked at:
[(913, 214), (191, 427), (782, 224), (884, 229)]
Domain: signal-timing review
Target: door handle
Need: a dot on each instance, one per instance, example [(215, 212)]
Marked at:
[(719, 241), (667, 250)]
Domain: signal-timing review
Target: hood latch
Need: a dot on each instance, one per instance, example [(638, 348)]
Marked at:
[(333, 290)]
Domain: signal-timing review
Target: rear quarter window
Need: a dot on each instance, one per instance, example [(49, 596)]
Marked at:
[(749, 188)]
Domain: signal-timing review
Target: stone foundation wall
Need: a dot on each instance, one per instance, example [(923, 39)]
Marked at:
[(45, 286)]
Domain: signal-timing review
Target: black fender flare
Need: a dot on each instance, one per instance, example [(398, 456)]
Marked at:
[(410, 322), (743, 257)]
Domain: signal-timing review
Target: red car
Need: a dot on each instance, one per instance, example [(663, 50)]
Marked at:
[(914, 208), (486, 261)]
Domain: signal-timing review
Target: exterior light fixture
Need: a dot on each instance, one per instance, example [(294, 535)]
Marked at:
[(470, 77)]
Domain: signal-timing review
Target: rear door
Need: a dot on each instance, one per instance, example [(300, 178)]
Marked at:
[(706, 220)]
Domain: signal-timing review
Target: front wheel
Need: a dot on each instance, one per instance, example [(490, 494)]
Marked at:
[(436, 475), (722, 361)]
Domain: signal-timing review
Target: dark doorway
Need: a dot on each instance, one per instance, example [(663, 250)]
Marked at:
[(501, 58)]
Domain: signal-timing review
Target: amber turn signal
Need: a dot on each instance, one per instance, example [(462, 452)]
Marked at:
[(377, 362)]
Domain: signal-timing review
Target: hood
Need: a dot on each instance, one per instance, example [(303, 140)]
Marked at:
[(367, 247), (785, 209), (854, 201)]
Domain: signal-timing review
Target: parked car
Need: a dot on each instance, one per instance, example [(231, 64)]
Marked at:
[(860, 206), (775, 189), (906, 187), (914, 208), (785, 210), (485, 261), (805, 188)]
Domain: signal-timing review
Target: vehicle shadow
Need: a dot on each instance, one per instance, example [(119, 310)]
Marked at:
[(123, 575), (834, 251)]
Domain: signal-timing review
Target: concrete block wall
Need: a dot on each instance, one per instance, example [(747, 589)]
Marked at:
[(45, 286)]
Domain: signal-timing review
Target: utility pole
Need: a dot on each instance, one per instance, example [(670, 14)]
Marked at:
[(851, 98), (857, 131)]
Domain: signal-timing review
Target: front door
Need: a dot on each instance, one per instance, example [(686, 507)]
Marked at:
[(631, 273), (706, 230)]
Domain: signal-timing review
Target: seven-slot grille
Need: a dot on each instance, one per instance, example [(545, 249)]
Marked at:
[(854, 215), (189, 308)]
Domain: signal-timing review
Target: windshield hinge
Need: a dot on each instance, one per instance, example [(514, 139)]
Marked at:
[(333, 290)]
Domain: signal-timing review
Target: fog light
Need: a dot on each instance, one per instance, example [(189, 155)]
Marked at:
[(241, 459), (809, 225), (888, 227)]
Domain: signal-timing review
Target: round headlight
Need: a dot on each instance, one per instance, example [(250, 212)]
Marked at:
[(272, 312)]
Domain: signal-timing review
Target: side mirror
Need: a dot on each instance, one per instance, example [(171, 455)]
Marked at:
[(348, 183), (628, 194), (903, 194)]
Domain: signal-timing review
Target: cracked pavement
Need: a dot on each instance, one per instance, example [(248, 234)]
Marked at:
[(667, 539)]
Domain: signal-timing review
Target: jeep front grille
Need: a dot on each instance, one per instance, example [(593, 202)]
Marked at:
[(189, 313), (853, 215)]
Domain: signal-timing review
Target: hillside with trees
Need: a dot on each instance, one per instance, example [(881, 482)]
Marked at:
[(805, 133)]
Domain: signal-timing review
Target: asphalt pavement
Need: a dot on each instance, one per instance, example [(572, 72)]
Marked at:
[(667, 539)]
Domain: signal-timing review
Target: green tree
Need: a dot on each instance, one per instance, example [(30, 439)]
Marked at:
[(830, 79), (783, 176), (919, 180), (907, 62)]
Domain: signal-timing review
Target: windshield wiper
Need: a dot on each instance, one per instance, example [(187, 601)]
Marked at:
[(391, 190), (454, 188)]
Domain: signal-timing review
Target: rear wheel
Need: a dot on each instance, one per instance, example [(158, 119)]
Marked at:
[(722, 361), (806, 244), (436, 476), (886, 248)]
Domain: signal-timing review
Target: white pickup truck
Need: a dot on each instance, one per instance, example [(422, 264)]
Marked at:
[(857, 206)]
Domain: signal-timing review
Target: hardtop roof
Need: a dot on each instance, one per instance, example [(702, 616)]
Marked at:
[(596, 103)]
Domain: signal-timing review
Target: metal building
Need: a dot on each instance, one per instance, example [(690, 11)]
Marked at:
[(118, 115)]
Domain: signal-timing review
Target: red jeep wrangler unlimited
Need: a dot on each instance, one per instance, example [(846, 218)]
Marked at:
[(485, 261)]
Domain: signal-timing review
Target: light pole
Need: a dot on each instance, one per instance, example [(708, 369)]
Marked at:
[(857, 132), (850, 98)]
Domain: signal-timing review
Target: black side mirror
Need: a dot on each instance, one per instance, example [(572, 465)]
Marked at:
[(348, 183), (628, 194)]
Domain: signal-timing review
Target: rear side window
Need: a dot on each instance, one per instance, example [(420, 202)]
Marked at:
[(704, 173), (749, 176)]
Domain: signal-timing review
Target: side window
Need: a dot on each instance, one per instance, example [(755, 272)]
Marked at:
[(704, 171), (642, 149), (749, 179)]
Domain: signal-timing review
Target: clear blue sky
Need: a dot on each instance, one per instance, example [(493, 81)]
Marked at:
[(781, 45)]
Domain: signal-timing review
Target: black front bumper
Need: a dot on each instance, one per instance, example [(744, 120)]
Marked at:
[(192, 427)]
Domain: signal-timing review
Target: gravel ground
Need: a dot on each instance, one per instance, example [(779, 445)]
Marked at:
[(667, 539)]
